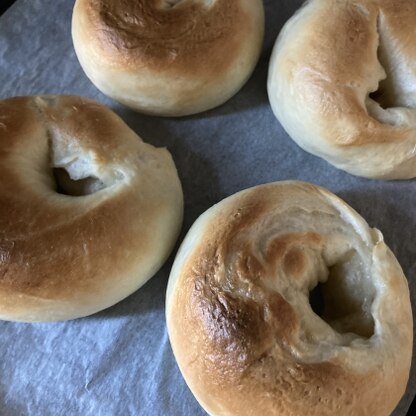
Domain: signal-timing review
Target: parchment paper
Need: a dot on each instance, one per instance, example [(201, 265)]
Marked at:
[(119, 361)]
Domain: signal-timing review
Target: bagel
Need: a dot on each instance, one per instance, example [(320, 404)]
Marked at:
[(168, 57), (239, 314), (345, 90), (88, 212)]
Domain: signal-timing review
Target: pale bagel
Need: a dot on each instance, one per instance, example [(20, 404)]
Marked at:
[(241, 324), (88, 212), (342, 82), (168, 57)]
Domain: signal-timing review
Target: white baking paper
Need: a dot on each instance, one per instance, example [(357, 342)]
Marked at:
[(119, 361)]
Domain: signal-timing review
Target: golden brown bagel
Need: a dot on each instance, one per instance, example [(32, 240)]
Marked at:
[(240, 321), (88, 212), (342, 83), (168, 57)]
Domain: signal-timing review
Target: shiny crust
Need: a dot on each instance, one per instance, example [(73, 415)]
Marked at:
[(345, 90), (65, 256), (168, 57), (240, 323)]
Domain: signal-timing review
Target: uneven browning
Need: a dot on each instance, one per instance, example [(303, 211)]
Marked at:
[(239, 316), (185, 34), (345, 90), (88, 212), (168, 57)]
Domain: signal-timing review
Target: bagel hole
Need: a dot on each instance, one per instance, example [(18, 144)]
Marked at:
[(379, 97), (344, 300), (384, 95), (397, 89), (316, 299), (65, 185)]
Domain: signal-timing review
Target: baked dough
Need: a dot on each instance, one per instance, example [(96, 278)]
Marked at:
[(88, 212), (168, 57), (342, 82), (241, 324)]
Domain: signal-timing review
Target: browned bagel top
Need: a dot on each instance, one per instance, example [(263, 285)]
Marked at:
[(186, 36), (241, 323), (342, 83), (83, 202)]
